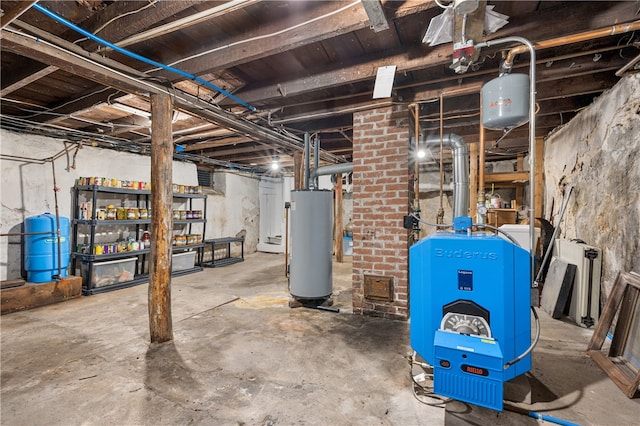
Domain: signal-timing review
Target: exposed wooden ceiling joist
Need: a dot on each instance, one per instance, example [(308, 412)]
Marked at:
[(99, 73), (307, 66)]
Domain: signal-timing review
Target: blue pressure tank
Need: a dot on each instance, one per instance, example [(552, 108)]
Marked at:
[(41, 250)]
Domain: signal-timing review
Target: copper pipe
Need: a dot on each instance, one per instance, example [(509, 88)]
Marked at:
[(481, 154), (575, 38), (416, 133), (441, 148)]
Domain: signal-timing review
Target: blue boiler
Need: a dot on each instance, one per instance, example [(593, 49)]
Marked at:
[(470, 313)]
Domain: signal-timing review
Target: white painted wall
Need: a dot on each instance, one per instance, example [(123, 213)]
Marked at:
[(234, 210), (26, 189), (274, 192)]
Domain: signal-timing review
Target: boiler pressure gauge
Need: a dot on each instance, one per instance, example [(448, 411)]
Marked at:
[(465, 324)]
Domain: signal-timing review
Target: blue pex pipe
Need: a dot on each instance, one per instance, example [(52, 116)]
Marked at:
[(551, 419), (126, 52)]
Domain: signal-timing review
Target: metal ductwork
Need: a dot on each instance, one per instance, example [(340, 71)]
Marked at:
[(460, 152), (332, 169)]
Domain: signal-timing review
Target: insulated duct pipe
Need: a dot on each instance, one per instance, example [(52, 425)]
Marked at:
[(332, 170), (307, 160), (460, 152), (316, 159)]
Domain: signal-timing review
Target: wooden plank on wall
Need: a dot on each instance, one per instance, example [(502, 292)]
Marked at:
[(538, 175), (506, 177)]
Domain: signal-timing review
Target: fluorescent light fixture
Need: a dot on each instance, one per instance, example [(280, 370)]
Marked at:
[(131, 110)]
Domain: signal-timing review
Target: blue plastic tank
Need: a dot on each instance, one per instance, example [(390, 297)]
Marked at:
[(41, 250)]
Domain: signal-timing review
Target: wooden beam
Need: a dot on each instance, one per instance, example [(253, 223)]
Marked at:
[(175, 23), (96, 71), (539, 178), (14, 13), (160, 322), (25, 45), (506, 177), (125, 25), (421, 58), (28, 79), (216, 143), (232, 52)]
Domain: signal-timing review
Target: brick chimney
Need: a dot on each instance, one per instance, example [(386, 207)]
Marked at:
[(381, 192)]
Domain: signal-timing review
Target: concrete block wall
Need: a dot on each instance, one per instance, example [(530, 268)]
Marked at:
[(380, 200)]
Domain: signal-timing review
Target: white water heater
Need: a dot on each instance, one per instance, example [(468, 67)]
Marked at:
[(310, 273)]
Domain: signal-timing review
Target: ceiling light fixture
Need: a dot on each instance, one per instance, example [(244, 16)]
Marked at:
[(275, 163)]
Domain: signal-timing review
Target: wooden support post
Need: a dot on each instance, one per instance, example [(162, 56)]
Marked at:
[(298, 170), (338, 222), (160, 324), (537, 202), (473, 179)]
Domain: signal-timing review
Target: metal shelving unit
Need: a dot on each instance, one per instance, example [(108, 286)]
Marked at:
[(87, 262)]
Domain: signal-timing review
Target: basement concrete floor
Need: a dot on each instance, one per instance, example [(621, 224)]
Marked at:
[(241, 356)]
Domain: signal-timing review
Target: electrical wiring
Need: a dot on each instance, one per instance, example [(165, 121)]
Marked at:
[(133, 55), (106, 24), (87, 138), (421, 391), (71, 116), (184, 98), (34, 127), (437, 225), (260, 37), (58, 106)]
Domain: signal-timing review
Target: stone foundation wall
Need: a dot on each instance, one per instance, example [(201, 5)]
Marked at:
[(598, 153)]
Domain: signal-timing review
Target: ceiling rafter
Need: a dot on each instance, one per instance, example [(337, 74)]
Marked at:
[(53, 55)]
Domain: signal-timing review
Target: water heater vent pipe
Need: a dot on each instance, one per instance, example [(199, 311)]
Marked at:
[(460, 152)]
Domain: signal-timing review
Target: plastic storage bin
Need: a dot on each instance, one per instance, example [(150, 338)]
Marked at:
[(183, 261), (108, 273)]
